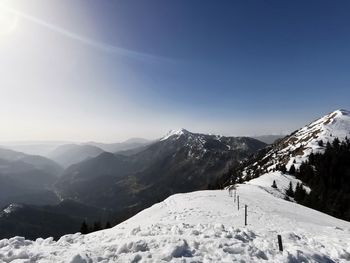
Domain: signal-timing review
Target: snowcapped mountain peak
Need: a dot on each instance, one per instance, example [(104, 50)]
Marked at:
[(329, 119), (312, 138), (182, 131), (176, 133), (330, 126), (343, 112)]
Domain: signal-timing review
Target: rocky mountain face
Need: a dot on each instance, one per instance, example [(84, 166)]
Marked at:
[(296, 147), (293, 149), (179, 162)]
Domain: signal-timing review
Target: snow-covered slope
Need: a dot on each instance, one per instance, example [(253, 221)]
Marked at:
[(175, 133), (204, 226), (282, 181), (296, 147)]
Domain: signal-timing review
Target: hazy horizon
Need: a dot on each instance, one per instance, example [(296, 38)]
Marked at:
[(24, 142), (108, 71)]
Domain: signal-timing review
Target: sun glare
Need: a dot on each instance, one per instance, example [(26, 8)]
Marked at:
[(8, 19)]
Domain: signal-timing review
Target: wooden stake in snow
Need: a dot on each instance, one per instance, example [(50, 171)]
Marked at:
[(230, 189), (245, 215), (238, 202), (280, 246), (234, 197)]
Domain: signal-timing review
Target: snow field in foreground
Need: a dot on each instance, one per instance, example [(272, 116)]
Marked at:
[(203, 226)]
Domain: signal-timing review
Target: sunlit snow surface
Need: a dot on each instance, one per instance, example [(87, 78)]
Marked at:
[(175, 133), (204, 226)]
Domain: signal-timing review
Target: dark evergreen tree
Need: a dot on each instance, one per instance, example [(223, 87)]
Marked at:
[(97, 226), (274, 185), (292, 169), (306, 172), (336, 143), (300, 193), (108, 225), (290, 191), (84, 228), (283, 169)]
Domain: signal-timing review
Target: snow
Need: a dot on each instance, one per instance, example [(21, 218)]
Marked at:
[(297, 147), (174, 133), (282, 181), (10, 208), (327, 128), (203, 226)]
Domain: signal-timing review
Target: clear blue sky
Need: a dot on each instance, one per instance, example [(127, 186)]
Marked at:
[(139, 68)]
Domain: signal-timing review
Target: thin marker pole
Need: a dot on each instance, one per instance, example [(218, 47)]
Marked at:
[(245, 215), (280, 246)]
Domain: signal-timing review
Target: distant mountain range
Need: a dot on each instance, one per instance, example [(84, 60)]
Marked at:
[(69, 154), (27, 178), (42, 148), (122, 146), (268, 139), (179, 162), (51, 148), (35, 161)]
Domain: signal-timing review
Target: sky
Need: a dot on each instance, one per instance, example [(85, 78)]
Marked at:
[(83, 70)]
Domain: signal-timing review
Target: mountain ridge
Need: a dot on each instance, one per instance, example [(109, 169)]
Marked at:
[(296, 147), (182, 162), (69, 154)]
